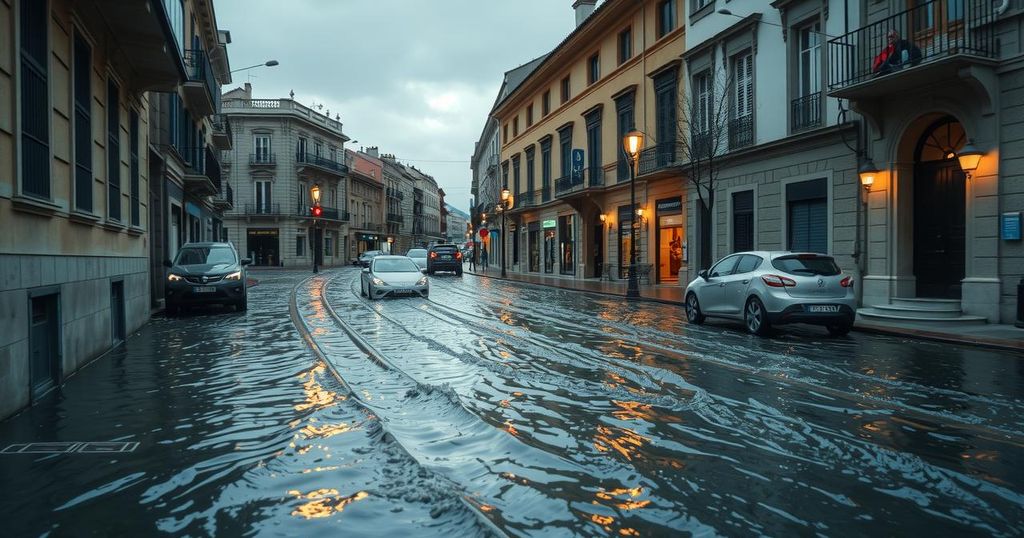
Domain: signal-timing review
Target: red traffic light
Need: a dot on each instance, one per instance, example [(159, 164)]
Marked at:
[(316, 210)]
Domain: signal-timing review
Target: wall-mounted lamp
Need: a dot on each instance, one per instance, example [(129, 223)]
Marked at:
[(969, 157), (603, 217), (867, 173)]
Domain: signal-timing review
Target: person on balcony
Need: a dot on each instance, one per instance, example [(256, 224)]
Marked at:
[(897, 54)]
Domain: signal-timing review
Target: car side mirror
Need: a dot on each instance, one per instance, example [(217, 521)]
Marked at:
[(424, 270), (703, 273), (366, 269), (167, 263), (246, 261)]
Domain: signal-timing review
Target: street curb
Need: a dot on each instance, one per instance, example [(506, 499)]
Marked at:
[(870, 329)]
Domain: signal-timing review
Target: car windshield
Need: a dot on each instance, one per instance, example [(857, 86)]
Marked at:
[(444, 250), (807, 265), (370, 253), (417, 253), (395, 265), (205, 255)]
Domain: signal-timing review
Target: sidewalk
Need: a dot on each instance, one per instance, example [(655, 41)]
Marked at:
[(990, 335)]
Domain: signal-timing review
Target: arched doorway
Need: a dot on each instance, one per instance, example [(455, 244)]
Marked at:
[(939, 210)]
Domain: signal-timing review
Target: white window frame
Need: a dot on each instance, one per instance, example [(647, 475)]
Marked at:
[(703, 98), (268, 190), (813, 31), (257, 146), (743, 85)]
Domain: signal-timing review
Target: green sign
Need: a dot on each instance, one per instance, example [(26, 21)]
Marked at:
[(549, 224)]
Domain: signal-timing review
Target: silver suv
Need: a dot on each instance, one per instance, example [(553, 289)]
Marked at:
[(773, 288)]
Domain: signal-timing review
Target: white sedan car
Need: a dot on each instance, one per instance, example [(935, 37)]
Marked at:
[(772, 288), (393, 276), (418, 255)]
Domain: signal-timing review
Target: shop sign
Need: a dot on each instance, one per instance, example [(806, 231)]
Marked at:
[(262, 232), (669, 205), (549, 224), (367, 237)]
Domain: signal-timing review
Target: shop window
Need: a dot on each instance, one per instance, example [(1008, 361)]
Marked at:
[(807, 216)]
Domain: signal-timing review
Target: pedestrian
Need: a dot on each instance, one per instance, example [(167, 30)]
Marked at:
[(483, 257), (472, 259)]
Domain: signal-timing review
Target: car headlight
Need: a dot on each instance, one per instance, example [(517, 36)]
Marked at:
[(377, 282), (422, 282), (237, 275), (174, 278)]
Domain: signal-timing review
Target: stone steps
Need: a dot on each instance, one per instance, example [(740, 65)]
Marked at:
[(913, 310)]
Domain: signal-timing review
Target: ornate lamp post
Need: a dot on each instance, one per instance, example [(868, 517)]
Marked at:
[(315, 211), (503, 207), (632, 143)]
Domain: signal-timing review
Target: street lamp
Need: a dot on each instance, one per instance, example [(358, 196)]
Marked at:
[(632, 143), (315, 211), (268, 63), (506, 203), (969, 157)]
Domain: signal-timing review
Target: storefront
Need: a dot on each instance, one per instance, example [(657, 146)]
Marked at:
[(625, 240), (566, 245), (365, 241), (263, 246), (670, 238), (549, 245), (533, 246)]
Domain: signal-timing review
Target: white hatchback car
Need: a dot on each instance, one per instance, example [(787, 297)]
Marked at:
[(773, 288)]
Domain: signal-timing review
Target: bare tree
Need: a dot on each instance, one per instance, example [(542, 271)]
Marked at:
[(703, 137)]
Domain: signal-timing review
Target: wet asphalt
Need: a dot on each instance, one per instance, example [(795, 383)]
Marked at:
[(499, 408)]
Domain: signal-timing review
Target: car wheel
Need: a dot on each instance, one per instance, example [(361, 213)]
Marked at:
[(458, 273), (362, 289), (693, 313), (369, 291), (242, 305), (756, 317), (839, 330)]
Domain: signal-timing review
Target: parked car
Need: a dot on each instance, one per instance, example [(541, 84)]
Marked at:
[(419, 256), (444, 257), (393, 276), (765, 289), (365, 258), (206, 273)]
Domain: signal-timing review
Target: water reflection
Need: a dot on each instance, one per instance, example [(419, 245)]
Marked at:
[(324, 502)]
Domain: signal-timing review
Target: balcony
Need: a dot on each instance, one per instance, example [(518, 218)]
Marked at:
[(568, 185), (202, 93), (395, 193), (657, 158), (225, 199), (806, 112), (142, 31), (326, 213), (936, 40), (741, 132), (221, 132), (202, 171), (396, 217), (287, 108), (262, 159), (263, 210), (526, 199), (323, 164)]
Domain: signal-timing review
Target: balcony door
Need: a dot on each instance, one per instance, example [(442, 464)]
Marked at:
[(936, 24)]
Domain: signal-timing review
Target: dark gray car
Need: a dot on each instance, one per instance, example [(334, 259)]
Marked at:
[(206, 273)]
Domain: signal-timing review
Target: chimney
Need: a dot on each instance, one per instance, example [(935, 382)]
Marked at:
[(248, 90), (583, 9), (372, 152)]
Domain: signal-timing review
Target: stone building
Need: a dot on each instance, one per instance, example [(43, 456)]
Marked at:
[(366, 204), (282, 149)]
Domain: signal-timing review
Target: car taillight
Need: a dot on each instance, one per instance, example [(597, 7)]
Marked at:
[(846, 282), (433, 254), (776, 281), (458, 255)]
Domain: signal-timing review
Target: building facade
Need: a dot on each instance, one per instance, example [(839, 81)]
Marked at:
[(457, 230), (881, 189), (561, 133), (367, 204), (74, 177), (281, 150)]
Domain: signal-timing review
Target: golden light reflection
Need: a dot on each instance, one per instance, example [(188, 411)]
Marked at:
[(629, 410), (626, 498), (602, 520), (505, 403), (622, 440), (327, 430), (324, 502), (320, 469), (316, 395), (510, 428)]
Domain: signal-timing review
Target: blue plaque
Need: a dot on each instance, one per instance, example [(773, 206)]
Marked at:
[(1009, 226)]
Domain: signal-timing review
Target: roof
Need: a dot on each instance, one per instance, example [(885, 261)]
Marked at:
[(515, 77)]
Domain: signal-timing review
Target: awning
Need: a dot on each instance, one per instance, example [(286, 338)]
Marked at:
[(193, 210)]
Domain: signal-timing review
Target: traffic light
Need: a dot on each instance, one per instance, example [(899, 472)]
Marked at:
[(316, 210)]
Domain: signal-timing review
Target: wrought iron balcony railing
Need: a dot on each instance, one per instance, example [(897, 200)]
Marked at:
[(806, 112), (590, 178), (320, 162), (396, 217), (929, 31), (741, 132), (263, 209), (656, 158), (262, 159), (198, 69)]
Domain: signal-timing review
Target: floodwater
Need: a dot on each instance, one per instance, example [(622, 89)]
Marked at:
[(495, 408)]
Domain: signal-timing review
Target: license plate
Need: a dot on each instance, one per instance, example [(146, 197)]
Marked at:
[(823, 308), (446, 257), (203, 289)]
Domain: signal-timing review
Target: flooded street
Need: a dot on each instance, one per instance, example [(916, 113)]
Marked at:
[(499, 408)]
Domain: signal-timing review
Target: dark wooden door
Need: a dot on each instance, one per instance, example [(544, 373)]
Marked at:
[(43, 346), (939, 229)]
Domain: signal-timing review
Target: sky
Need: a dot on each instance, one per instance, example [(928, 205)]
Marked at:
[(415, 78)]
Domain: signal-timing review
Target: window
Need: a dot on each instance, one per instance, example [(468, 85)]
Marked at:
[(515, 175), (300, 202), (35, 97), (545, 104), (624, 114), (300, 245), (318, 149), (545, 169), (747, 263), (743, 221), (113, 151), (176, 15), (666, 17), (262, 196), (665, 102), (83, 124), (133, 178), (515, 126), (529, 115), (741, 127), (806, 107), (262, 145), (724, 267), (565, 150), (697, 5), (625, 45), (807, 216), (300, 148), (565, 89), (593, 69), (702, 90), (594, 148), (530, 184), (504, 133)]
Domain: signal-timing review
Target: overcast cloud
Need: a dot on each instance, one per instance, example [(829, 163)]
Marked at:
[(413, 77)]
